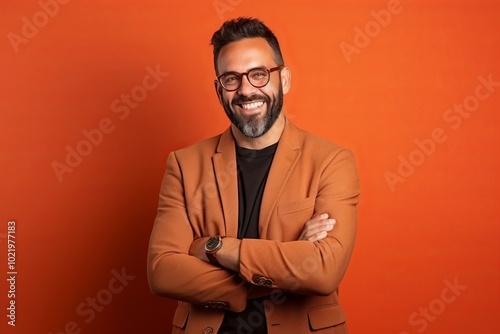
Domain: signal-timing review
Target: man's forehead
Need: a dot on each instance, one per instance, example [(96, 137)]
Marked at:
[(245, 54)]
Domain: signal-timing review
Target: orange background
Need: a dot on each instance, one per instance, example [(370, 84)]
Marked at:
[(436, 225)]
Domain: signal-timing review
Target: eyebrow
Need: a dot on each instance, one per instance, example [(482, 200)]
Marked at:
[(248, 70)]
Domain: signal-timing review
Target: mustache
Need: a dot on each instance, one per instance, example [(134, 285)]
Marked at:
[(255, 97)]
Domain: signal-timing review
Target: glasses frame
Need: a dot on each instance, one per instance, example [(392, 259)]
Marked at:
[(240, 76)]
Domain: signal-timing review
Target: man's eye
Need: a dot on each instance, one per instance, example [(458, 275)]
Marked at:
[(230, 79), (259, 74)]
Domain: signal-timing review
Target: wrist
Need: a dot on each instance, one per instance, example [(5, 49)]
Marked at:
[(212, 246)]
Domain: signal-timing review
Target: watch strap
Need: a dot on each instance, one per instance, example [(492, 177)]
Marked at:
[(212, 258)]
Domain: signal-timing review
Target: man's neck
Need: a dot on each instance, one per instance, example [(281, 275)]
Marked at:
[(270, 137)]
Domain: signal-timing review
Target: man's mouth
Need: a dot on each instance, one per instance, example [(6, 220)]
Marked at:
[(251, 105)]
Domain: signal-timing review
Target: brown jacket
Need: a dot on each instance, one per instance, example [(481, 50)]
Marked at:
[(199, 197)]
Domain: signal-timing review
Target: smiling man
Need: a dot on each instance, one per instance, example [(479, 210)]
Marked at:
[(253, 107), (256, 226)]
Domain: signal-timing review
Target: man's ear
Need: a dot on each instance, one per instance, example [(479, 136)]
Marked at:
[(218, 90), (286, 78)]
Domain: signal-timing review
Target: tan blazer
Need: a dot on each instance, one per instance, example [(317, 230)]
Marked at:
[(199, 197)]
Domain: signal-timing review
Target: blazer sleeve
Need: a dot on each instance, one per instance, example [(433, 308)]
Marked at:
[(314, 268), (172, 272)]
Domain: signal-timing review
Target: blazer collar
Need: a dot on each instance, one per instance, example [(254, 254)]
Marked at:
[(224, 162), (286, 157)]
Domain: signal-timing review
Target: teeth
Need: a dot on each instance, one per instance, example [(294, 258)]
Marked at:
[(252, 105)]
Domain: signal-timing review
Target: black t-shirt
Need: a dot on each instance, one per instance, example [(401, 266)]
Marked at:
[(253, 169)]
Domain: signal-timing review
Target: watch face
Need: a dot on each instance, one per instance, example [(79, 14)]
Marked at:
[(213, 244)]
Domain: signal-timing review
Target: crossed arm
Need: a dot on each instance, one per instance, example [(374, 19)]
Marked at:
[(314, 264), (229, 255)]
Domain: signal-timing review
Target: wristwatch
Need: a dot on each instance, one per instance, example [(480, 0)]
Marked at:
[(212, 245)]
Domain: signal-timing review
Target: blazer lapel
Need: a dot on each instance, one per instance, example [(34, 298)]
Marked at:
[(224, 162), (286, 157)]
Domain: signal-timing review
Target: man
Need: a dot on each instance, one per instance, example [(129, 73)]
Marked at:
[(256, 226)]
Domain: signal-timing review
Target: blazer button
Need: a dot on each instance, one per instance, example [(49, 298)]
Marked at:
[(208, 330), (222, 305), (256, 278), (268, 283)]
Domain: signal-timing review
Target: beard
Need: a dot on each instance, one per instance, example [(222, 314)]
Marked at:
[(252, 126)]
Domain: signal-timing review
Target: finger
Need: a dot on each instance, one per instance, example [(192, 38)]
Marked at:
[(324, 225), (317, 236), (318, 218), (315, 220), (318, 227), (311, 230), (321, 234)]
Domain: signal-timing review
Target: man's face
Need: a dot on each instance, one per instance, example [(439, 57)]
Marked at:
[(252, 110)]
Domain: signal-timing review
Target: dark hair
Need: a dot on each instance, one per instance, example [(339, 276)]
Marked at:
[(244, 27)]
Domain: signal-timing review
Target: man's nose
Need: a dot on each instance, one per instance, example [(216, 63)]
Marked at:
[(246, 88)]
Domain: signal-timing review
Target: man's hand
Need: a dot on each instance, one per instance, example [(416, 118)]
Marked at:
[(317, 228)]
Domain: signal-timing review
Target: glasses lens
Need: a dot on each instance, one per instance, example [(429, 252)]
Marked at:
[(258, 77), (230, 81)]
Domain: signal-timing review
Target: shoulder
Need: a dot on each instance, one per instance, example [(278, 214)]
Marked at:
[(333, 164), (193, 158), (313, 145), (207, 146)]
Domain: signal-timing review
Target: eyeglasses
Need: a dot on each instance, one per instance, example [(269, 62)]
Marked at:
[(258, 77)]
